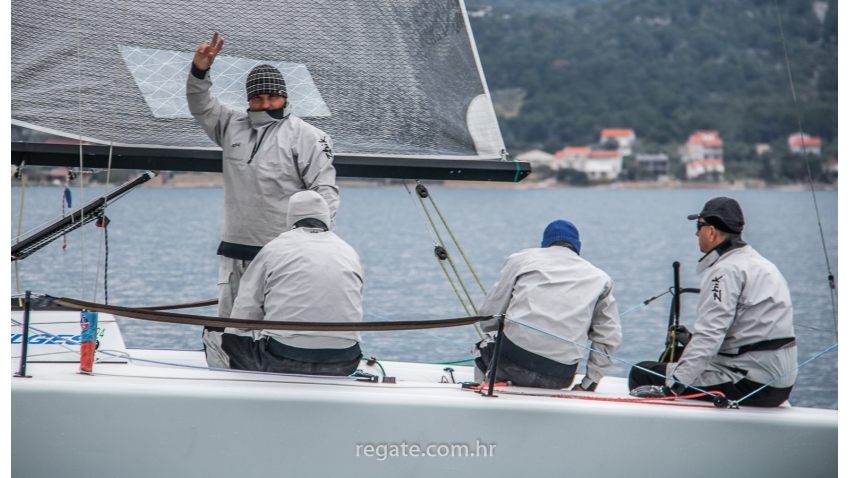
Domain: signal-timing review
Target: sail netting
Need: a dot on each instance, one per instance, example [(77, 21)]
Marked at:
[(395, 78)]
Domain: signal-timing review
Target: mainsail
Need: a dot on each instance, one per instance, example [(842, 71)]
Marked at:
[(396, 83)]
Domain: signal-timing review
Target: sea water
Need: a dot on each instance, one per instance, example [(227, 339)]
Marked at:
[(162, 243)]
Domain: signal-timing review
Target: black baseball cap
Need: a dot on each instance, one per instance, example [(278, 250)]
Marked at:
[(723, 213)]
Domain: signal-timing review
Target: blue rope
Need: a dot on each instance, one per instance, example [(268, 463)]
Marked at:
[(633, 309), (784, 374), (647, 302)]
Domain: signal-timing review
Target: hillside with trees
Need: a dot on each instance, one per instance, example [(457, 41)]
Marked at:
[(664, 68)]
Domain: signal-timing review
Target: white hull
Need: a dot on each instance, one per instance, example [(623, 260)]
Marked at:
[(142, 420)]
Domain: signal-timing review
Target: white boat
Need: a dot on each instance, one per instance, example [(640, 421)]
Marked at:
[(163, 413)]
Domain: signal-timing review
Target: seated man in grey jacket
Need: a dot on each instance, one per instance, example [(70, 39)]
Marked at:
[(744, 333), (553, 289), (306, 274)]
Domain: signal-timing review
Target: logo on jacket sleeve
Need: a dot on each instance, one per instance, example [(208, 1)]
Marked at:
[(326, 147), (715, 288)]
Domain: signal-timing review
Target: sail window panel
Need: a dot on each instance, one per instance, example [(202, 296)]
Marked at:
[(161, 78)]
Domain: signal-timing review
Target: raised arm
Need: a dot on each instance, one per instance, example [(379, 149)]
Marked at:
[(210, 114), (206, 52)]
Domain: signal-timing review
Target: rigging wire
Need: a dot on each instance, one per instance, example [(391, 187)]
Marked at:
[(20, 172), (736, 402), (457, 244), (80, 141), (103, 234), (421, 214), (830, 277), (439, 248), (448, 256)]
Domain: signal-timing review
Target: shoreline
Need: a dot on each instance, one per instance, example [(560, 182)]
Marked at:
[(214, 180)]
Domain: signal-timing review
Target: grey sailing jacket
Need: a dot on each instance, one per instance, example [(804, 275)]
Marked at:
[(743, 300), (555, 290), (293, 156), (306, 275)]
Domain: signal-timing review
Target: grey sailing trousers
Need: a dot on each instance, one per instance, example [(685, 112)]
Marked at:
[(230, 273)]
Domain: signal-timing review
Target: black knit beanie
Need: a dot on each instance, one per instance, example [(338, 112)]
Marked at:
[(265, 80)]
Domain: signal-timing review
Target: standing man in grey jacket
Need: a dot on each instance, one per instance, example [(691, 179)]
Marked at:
[(268, 155), (744, 333), (306, 274), (553, 289)]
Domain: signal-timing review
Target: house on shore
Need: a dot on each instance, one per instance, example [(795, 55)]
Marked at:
[(804, 144), (624, 137), (573, 157), (603, 165), (705, 169), (703, 144), (652, 166)]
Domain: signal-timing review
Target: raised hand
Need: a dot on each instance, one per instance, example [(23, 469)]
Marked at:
[(206, 52)]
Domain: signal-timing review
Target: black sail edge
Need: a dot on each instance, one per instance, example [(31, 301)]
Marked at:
[(209, 160)]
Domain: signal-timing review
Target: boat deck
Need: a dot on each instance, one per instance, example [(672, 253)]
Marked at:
[(138, 418)]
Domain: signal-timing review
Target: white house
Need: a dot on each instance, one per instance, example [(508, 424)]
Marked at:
[(624, 137), (704, 144), (573, 157), (603, 165), (701, 167), (804, 144)]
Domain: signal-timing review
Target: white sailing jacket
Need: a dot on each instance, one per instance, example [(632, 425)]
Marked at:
[(304, 275), (743, 300), (292, 156), (555, 290)]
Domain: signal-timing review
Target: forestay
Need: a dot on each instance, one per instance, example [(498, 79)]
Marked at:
[(386, 79)]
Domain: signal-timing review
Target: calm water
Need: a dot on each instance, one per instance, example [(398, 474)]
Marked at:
[(162, 246)]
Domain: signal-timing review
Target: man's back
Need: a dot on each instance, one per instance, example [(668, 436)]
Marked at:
[(556, 291), (306, 275)]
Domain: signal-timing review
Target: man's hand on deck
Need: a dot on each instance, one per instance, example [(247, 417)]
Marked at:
[(206, 52)]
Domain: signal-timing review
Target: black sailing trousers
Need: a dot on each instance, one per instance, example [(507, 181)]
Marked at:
[(769, 397)]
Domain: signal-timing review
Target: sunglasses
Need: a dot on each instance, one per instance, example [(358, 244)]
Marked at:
[(701, 224)]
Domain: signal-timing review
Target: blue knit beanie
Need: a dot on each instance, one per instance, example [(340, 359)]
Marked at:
[(561, 230)]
